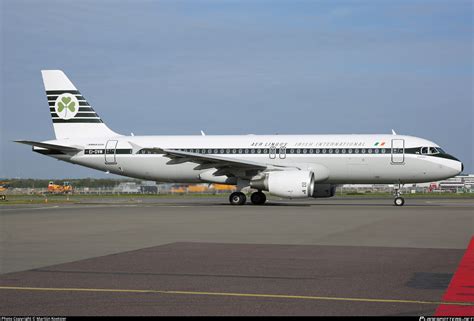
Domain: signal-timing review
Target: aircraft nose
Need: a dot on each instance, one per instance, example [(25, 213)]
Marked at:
[(459, 167)]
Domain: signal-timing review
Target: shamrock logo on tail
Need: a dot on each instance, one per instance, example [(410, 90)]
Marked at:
[(66, 106), (66, 103)]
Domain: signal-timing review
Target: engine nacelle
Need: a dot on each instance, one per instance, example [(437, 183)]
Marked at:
[(323, 190), (289, 184)]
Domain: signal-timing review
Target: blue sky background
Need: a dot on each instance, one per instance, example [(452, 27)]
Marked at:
[(238, 67)]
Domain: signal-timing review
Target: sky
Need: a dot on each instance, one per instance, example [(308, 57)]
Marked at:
[(239, 67)]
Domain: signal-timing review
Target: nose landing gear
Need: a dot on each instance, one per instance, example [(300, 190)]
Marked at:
[(399, 200)]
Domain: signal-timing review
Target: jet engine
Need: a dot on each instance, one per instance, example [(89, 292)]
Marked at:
[(289, 184)]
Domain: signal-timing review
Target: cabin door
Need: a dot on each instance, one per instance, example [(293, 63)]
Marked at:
[(110, 152), (398, 151)]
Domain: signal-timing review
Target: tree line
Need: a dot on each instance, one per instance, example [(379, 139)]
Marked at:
[(82, 182)]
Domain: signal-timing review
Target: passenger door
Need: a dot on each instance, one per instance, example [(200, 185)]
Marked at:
[(110, 152), (398, 151)]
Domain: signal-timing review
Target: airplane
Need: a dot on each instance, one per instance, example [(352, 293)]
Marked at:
[(288, 166)]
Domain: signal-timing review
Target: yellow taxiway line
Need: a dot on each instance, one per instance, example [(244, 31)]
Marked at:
[(229, 294)]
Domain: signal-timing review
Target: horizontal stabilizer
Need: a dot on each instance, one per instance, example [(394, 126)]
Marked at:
[(49, 146)]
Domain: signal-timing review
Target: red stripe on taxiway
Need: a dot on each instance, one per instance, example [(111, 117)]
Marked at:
[(461, 288)]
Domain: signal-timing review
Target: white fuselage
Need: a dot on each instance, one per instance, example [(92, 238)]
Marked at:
[(347, 158)]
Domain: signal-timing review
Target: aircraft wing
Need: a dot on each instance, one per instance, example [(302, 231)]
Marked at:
[(237, 167), (61, 148), (212, 161)]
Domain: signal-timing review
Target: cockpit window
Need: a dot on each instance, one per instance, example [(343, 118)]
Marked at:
[(440, 150), (433, 150), (429, 150)]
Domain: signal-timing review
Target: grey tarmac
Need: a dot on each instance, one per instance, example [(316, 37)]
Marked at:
[(202, 256)]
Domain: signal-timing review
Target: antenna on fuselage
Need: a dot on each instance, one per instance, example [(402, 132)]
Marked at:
[(393, 132), (203, 133)]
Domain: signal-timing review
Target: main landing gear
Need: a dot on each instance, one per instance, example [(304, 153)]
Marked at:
[(399, 200), (258, 198), (239, 198)]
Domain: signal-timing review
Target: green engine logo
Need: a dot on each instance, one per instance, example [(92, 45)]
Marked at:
[(66, 106)]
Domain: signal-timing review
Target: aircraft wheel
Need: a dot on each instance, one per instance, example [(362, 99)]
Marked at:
[(237, 198), (399, 201), (258, 198)]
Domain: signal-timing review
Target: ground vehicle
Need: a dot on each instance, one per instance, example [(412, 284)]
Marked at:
[(3, 187), (59, 189)]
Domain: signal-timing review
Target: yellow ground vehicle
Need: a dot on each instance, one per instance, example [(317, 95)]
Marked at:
[(3, 187), (59, 189)]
